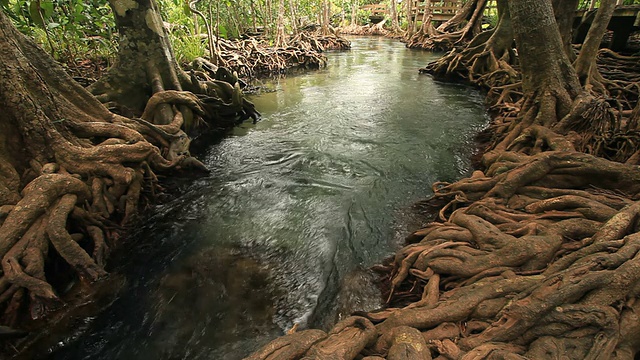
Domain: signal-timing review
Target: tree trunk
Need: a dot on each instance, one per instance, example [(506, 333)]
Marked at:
[(326, 17), (467, 16), (427, 26), (145, 62), (549, 81), (294, 17), (281, 40), (426, 31), (354, 12), (564, 11), (253, 16), (51, 151), (458, 31), (585, 64), (487, 60), (410, 22), (70, 170), (394, 16)]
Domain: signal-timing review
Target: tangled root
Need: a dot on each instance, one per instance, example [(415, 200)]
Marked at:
[(536, 255)]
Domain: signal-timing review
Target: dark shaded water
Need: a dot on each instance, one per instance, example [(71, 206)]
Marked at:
[(294, 208)]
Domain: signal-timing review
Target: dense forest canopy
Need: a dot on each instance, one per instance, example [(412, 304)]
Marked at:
[(77, 29)]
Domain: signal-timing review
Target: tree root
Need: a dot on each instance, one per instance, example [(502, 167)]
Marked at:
[(537, 257), (345, 341), (371, 30), (458, 31), (73, 174), (289, 347)]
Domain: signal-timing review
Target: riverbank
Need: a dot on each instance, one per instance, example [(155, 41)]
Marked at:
[(113, 208), (299, 200), (532, 255)]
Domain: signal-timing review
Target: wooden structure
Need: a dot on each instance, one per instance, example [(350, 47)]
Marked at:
[(441, 10), (625, 20), (377, 11)]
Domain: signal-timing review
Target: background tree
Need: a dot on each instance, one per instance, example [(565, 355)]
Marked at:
[(457, 31), (281, 40), (393, 13), (408, 9), (487, 61)]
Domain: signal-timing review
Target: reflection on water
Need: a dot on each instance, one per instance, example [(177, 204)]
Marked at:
[(295, 207)]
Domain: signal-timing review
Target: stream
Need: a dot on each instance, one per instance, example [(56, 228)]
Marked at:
[(296, 208)]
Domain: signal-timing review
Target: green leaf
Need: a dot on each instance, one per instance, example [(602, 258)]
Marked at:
[(34, 14), (78, 8), (5, 3), (185, 8), (52, 25), (47, 8), (223, 31)]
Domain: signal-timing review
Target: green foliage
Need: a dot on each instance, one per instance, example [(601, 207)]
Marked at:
[(584, 4), (72, 30), (69, 29), (490, 21), (363, 16), (187, 48), (187, 45)]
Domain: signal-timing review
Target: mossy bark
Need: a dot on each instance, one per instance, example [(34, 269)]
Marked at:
[(145, 64), (72, 173)]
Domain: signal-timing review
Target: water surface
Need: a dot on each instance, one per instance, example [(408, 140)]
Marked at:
[(293, 210)]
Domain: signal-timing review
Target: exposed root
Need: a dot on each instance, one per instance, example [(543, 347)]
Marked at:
[(369, 29), (289, 347), (458, 31), (73, 174), (251, 58)]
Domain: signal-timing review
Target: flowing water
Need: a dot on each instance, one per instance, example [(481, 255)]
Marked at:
[(293, 211)]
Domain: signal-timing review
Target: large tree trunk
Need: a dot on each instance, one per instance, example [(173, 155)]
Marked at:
[(146, 65), (70, 170), (549, 81), (145, 62), (49, 159)]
